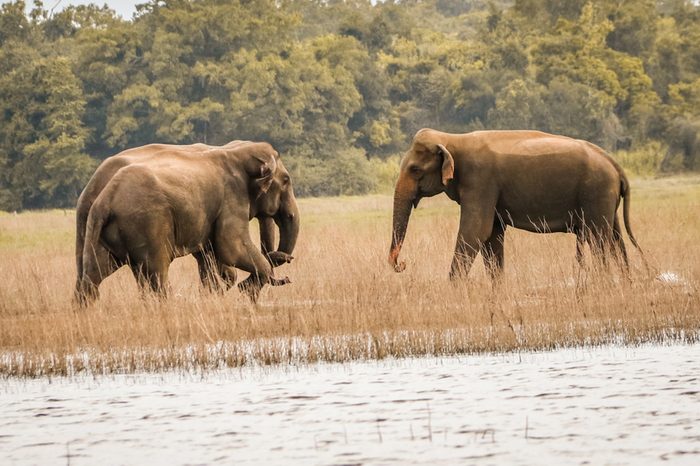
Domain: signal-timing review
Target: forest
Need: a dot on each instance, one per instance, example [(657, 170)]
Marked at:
[(338, 87)]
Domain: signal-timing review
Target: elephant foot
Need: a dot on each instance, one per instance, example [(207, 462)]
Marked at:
[(85, 293), (279, 281), (277, 258), (251, 287), (457, 276)]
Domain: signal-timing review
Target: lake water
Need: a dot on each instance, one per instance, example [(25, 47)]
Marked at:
[(610, 405)]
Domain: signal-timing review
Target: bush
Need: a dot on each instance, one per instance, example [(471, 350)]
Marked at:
[(347, 173), (387, 172), (644, 160), (683, 138)]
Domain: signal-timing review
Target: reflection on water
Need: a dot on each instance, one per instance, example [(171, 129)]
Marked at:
[(605, 405)]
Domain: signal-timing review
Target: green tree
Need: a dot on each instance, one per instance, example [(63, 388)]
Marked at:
[(107, 55), (520, 105), (349, 172), (301, 101), (332, 83), (633, 26), (580, 112), (44, 136)]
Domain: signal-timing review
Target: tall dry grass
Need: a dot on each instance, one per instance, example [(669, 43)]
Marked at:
[(345, 302)]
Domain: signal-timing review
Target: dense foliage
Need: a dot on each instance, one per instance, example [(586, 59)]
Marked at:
[(334, 84)]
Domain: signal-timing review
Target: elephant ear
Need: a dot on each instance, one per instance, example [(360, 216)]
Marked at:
[(448, 164), (268, 167)]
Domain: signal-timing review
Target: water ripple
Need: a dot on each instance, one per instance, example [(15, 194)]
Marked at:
[(605, 405)]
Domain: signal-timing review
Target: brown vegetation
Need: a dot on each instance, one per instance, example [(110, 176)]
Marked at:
[(345, 301)]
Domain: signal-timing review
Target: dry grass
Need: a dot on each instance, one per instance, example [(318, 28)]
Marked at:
[(345, 303)]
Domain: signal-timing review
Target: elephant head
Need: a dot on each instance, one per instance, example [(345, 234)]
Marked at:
[(273, 203), (425, 171)]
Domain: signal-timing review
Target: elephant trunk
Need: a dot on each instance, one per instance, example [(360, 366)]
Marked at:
[(288, 223), (404, 196), (287, 220), (267, 234)]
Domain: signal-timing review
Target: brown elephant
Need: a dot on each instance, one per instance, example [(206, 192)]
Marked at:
[(526, 179), (148, 205), (212, 275)]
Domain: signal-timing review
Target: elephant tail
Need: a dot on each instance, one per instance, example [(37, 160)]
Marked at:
[(625, 193), (81, 213), (97, 217)]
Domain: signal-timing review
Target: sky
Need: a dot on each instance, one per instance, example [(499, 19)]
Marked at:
[(124, 8)]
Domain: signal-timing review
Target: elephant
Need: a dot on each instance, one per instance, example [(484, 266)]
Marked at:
[(148, 205), (212, 275), (529, 180)]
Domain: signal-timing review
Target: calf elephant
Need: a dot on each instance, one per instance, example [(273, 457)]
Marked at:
[(526, 179), (148, 205)]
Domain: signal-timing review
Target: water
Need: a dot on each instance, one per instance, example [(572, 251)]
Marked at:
[(612, 405)]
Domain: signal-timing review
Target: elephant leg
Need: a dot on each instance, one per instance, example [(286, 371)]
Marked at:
[(214, 276), (475, 227), (581, 233), (206, 268), (100, 265), (157, 272), (260, 273), (581, 239), (243, 254), (152, 275), (594, 240), (228, 275), (600, 238), (150, 263), (492, 251), (139, 275), (619, 244)]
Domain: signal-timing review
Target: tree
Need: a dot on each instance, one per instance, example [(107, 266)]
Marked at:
[(44, 136), (580, 112), (301, 101), (634, 26), (520, 105), (333, 82)]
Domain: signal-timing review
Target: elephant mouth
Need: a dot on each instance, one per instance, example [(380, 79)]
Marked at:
[(420, 194)]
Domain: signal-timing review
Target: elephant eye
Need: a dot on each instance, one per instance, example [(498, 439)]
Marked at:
[(415, 169)]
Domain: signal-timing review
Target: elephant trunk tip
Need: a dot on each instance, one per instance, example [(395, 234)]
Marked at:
[(277, 258), (279, 281), (394, 260)]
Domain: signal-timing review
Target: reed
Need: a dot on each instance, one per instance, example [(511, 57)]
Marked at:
[(345, 302)]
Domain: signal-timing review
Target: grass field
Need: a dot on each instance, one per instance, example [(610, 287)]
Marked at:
[(345, 301)]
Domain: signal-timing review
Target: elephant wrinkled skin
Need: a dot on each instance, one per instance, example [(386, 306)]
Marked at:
[(146, 206), (526, 179)]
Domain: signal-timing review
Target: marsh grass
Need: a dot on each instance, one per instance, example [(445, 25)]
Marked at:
[(345, 303)]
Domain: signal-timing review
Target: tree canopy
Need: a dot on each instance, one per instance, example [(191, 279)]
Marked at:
[(336, 85)]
